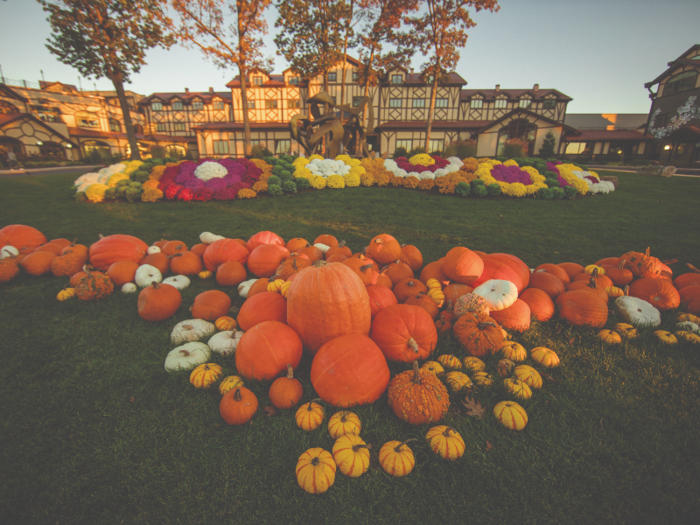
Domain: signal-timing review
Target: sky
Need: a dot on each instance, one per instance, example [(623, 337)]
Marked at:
[(598, 52)]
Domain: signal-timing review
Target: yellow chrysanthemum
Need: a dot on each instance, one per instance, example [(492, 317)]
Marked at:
[(517, 190), (246, 193), (114, 179), (367, 179), (314, 157), (531, 189), (318, 182), (300, 162), (510, 162), (352, 180), (483, 160), (304, 173), (259, 186), (344, 158), (422, 159), (359, 170), (150, 184), (151, 195), (96, 192), (353, 162), (335, 181), (156, 173)]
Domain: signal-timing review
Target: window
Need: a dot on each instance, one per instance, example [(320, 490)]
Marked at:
[(355, 76), (115, 126), (6, 107), (218, 104), (680, 82), (251, 104), (87, 120), (550, 103), (270, 104), (180, 126), (257, 81), (575, 148), (395, 103), (501, 103), (42, 113), (177, 105), (332, 77), (405, 144), (521, 129), (418, 103), (294, 81), (197, 105), (397, 79), (160, 127), (440, 102), (476, 103), (283, 146), (157, 105), (221, 147), (436, 145), (525, 103), (356, 101), (294, 103)]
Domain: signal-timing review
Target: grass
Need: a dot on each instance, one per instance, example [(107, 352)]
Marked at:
[(92, 430)]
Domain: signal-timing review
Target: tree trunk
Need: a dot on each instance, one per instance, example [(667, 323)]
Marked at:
[(117, 80), (368, 67), (345, 51), (431, 111), (244, 107)]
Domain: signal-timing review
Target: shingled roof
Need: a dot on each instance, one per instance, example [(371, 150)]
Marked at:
[(491, 94)]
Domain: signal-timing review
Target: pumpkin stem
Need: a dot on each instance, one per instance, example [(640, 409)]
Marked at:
[(237, 394), (414, 346), (365, 267), (356, 448), (482, 326), (378, 241), (446, 433), (320, 263), (341, 244), (669, 261), (290, 372), (315, 461), (311, 403), (397, 448), (416, 373), (184, 352), (692, 268), (592, 283), (647, 252), (627, 289), (594, 273), (155, 285)]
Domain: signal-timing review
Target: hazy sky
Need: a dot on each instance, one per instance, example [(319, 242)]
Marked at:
[(599, 52)]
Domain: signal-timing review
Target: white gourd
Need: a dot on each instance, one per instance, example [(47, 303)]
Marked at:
[(147, 275), (323, 247), (497, 293), (186, 357), (191, 330), (244, 287), (178, 281), (152, 249), (129, 288), (689, 326), (8, 251), (637, 311), (225, 343), (208, 237)]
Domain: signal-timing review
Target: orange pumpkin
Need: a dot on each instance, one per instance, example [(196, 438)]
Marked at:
[(286, 392), (24, 238), (258, 286), (541, 304), (341, 249), (264, 260), (516, 317), (418, 396), (158, 302), (404, 333), (210, 305), (261, 238), (398, 271), (295, 244), (498, 267), (556, 270), (50, 247), (619, 275), (572, 269), (411, 256), (455, 290), (384, 249), (265, 350), (185, 263), (173, 247), (238, 406), (38, 263), (122, 272), (67, 265), (479, 334), (222, 251), (582, 308), (408, 288), (362, 268), (660, 293), (115, 248), (327, 239), (199, 249), (434, 270), (265, 306), (231, 273), (548, 283), (690, 297), (158, 260), (380, 297), (463, 265), (426, 303)]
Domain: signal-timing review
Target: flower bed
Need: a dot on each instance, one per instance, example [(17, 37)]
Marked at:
[(228, 179)]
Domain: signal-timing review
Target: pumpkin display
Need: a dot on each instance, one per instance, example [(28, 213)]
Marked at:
[(157, 260), (361, 268), (210, 305), (513, 351), (24, 238), (642, 264), (404, 333), (172, 247), (259, 286), (589, 286), (158, 302), (446, 442), (666, 337), (315, 471), (555, 270), (450, 361), (505, 367), (199, 249), (309, 416), (238, 406), (457, 381), (434, 368), (540, 303), (517, 388), (351, 454), (226, 342), (473, 364), (380, 297), (122, 272), (582, 308), (610, 337), (225, 323), (384, 249), (659, 293), (637, 311), (619, 275), (286, 391), (408, 288), (265, 350), (93, 286), (434, 270), (340, 249), (498, 294), (344, 422), (396, 458), (68, 264), (230, 382), (511, 415), (572, 269), (8, 251), (516, 317), (37, 263), (146, 275), (222, 251), (264, 237), (178, 281), (129, 288), (463, 265), (115, 248), (528, 375), (187, 356), (265, 306), (411, 256), (626, 330), (205, 375), (418, 397), (349, 370), (398, 271), (191, 330), (186, 263), (478, 334), (326, 301), (545, 356)]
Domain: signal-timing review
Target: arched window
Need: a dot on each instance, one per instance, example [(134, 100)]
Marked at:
[(52, 150), (6, 107), (521, 129), (85, 119), (115, 125), (681, 82)]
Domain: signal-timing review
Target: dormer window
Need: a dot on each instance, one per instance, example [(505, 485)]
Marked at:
[(177, 105), (257, 81), (197, 105), (550, 103), (218, 104), (293, 81), (501, 103), (525, 103), (397, 79), (681, 82), (477, 103), (157, 105), (333, 77)]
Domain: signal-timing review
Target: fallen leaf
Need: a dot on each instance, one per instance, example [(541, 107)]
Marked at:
[(571, 341), (550, 378), (489, 446), (271, 412), (132, 400), (474, 408)]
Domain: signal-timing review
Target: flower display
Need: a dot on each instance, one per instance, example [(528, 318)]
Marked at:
[(246, 193), (352, 180), (210, 170), (151, 195), (335, 181), (318, 182), (96, 192), (423, 159)]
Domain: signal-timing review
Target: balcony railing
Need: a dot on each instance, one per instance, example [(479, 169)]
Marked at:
[(20, 83)]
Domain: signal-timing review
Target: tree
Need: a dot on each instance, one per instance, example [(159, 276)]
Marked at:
[(439, 34), (312, 35), (548, 145), (106, 38), (202, 24)]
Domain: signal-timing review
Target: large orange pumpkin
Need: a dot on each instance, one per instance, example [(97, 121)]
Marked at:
[(384, 249), (186, 263), (404, 333), (115, 248), (541, 304), (325, 301), (157, 260), (659, 293), (548, 283), (210, 305), (224, 250), (265, 350), (687, 279), (122, 272), (572, 269), (496, 266), (37, 263), (350, 370), (690, 298), (434, 270), (265, 306), (463, 265), (158, 302), (24, 238), (67, 265), (411, 256), (555, 270), (515, 317), (379, 298), (582, 308), (261, 238), (231, 273), (264, 260)]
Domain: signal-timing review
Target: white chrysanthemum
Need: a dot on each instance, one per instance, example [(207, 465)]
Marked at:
[(92, 176), (111, 170), (344, 169), (210, 170), (451, 168), (414, 174), (440, 172), (427, 175), (455, 160), (390, 165), (313, 168)]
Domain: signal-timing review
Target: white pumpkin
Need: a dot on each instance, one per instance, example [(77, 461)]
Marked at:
[(208, 237), (152, 249), (8, 251), (187, 357), (637, 311), (323, 247), (147, 275), (497, 293), (191, 330), (244, 287), (689, 326), (129, 288), (225, 343), (178, 281)]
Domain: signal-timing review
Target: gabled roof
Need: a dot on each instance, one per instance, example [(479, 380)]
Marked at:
[(206, 96), (418, 79), (7, 118), (238, 126), (271, 81), (680, 61), (437, 124), (7, 91), (492, 94), (527, 112), (57, 87)]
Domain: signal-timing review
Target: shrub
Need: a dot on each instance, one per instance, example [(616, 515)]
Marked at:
[(289, 186), (157, 152), (140, 176), (400, 152), (551, 183), (271, 160), (110, 194), (81, 197), (475, 183), (461, 149), (286, 175), (132, 194), (274, 189), (121, 190), (545, 193), (494, 189), (259, 152), (274, 180), (302, 183), (558, 193), (548, 144), (462, 189), (415, 151), (480, 190), (570, 192)]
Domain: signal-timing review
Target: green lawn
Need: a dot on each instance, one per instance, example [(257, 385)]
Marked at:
[(93, 430)]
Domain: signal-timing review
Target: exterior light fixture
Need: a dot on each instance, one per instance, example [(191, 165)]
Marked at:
[(69, 145), (39, 143), (667, 147)]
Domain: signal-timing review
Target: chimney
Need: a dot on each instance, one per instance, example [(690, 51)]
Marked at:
[(536, 88), (498, 87), (211, 90), (187, 91)]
